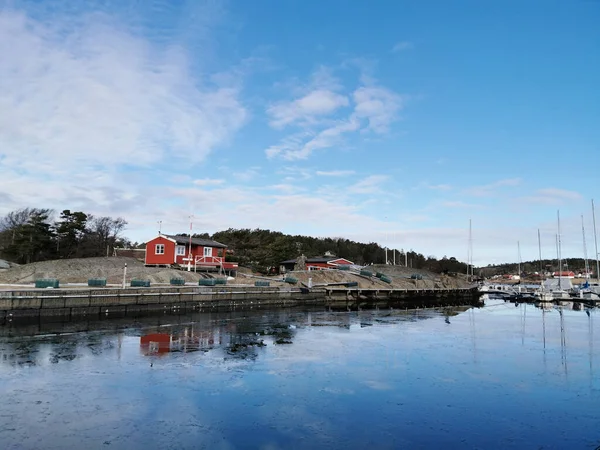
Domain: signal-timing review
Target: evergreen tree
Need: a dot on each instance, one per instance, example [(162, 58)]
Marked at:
[(32, 241), (70, 230)]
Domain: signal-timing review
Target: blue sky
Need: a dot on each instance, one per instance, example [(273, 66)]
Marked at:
[(393, 122)]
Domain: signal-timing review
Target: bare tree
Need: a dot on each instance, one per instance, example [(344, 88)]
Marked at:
[(104, 233)]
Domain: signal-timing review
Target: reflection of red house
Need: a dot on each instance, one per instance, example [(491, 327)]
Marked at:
[(188, 340), (166, 250), (156, 343)]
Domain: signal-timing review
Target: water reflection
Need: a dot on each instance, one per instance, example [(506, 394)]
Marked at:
[(306, 379)]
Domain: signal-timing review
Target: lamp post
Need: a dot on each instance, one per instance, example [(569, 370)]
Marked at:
[(125, 276)]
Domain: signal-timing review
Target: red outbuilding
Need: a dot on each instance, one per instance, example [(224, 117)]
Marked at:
[(318, 263), (326, 263), (196, 253)]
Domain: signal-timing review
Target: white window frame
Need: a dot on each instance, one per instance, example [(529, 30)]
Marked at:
[(159, 249), (208, 251), (180, 250)]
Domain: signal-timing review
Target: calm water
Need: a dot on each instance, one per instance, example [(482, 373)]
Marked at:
[(482, 378)]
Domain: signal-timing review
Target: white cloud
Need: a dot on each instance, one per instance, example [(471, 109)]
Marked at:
[(285, 188), (307, 109), (335, 173), (369, 185), (439, 187), (246, 175), (375, 108), (83, 100), (378, 105), (490, 189), (552, 196), (209, 182), (402, 46), (287, 144), (293, 173), (459, 204), (442, 187), (559, 193), (324, 139), (323, 78)]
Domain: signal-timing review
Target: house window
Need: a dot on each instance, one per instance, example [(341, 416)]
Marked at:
[(207, 251), (180, 251), (160, 249)]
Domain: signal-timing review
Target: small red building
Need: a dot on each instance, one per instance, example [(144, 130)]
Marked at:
[(326, 263), (167, 250), (318, 263)]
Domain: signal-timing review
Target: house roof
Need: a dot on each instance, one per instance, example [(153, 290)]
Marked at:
[(184, 240), (319, 259)]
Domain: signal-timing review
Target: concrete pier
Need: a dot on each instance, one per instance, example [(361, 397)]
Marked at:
[(67, 304), (71, 303), (340, 298)]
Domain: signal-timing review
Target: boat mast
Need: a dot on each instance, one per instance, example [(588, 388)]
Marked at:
[(558, 249), (540, 252), (585, 254), (470, 255), (596, 244), (519, 254), (471, 248), (540, 256)]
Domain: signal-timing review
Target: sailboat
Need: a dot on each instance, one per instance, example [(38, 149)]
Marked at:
[(595, 287), (585, 292), (521, 296)]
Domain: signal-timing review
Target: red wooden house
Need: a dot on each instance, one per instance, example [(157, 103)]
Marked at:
[(196, 253)]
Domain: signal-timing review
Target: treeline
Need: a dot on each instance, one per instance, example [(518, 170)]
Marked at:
[(32, 234), (265, 249), (576, 265)]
